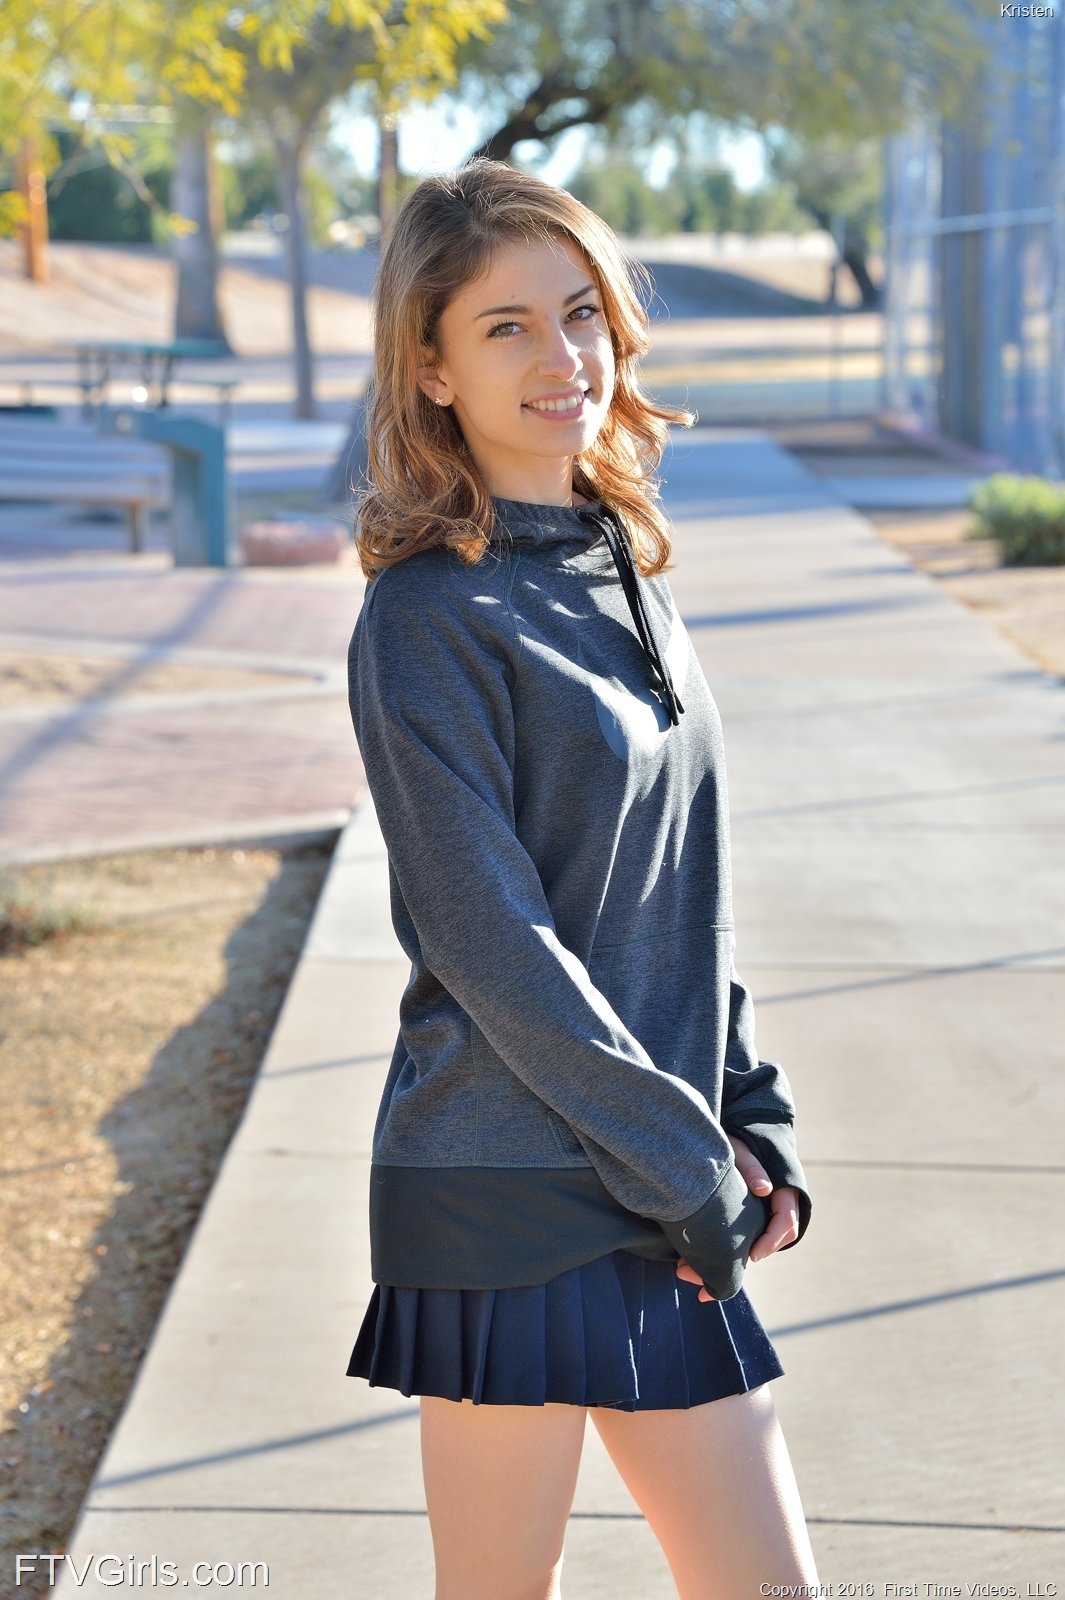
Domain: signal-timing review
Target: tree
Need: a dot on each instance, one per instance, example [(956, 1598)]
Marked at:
[(195, 199), (611, 185), (106, 53), (410, 54), (833, 177), (289, 58), (815, 70), (815, 67)]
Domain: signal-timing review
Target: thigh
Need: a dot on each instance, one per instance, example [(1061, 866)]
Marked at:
[(499, 1484), (716, 1485)]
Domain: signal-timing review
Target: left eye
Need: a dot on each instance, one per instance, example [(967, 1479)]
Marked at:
[(505, 330)]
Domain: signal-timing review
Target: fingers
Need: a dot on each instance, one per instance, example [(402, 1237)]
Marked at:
[(690, 1275), (750, 1168), (783, 1227)]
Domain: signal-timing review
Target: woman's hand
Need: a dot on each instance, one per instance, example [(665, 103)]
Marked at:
[(783, 1227)]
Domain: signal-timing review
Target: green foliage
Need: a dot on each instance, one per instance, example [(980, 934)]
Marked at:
[(13, 212), (623, 197), (320, 205), (695, 199), (833, 176), (90, 198), (820, 68), (773, 209), (411, 56), (251, 188), (831, 69), (131, 52), (1026, 516)]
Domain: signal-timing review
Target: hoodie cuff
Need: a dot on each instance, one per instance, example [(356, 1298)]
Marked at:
[(716, 1240), (774, 1145)]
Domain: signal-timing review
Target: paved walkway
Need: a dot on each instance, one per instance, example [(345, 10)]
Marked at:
[(896, 779), (128, 768)]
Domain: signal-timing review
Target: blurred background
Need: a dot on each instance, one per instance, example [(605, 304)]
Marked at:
[(866, 201), (854, 214)]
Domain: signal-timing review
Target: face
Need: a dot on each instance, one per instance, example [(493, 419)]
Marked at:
[(526, 363)]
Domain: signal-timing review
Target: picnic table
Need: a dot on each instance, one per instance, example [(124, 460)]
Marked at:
[(100, 362)]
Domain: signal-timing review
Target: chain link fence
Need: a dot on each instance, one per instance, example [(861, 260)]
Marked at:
[(974, 306)]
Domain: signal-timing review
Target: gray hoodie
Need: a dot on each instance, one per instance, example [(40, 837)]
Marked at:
[(574, 1038)]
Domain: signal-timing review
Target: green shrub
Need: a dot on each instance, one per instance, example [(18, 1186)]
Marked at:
[(91, 200), (1026, 516)]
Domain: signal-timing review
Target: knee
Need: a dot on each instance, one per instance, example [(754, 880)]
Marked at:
[(520, 1581)]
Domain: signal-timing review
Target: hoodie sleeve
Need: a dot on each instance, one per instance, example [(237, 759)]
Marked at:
[(429, 677), (756, 1102)]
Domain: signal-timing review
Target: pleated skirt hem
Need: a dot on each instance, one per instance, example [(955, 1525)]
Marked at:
[(620, 1331)]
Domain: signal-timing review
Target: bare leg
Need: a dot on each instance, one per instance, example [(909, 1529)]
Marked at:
[(717, 1488), (499, 1484)]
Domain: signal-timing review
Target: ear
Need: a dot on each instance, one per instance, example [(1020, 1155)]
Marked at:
[(431, 381)]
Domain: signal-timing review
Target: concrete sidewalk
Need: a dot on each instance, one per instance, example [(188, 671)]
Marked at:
[(896, 778), (263, 746)]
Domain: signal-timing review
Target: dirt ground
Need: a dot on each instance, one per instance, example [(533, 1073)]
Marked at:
[(32, 679), (127, 1051), (128, 293)]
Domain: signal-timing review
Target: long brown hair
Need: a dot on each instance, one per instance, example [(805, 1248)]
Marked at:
[(424, 488)]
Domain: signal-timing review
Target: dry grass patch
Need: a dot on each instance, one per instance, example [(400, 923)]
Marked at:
[(129, 1044)]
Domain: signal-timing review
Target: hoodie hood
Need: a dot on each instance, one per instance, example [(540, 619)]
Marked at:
[(522, 522)]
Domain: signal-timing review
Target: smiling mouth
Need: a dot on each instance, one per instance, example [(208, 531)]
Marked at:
[(567, 405)]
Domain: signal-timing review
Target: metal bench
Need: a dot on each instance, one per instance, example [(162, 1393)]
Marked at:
[(200, 494), (42, 460)]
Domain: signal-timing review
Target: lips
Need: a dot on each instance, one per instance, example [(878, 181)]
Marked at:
[(558, 404)]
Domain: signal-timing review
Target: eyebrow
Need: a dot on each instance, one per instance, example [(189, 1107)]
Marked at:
[(524, 311)]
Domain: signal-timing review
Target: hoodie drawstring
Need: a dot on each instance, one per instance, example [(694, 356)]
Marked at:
[(617, 539)]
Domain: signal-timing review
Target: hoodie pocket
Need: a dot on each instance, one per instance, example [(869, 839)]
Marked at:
[(568, 1143), (514, 1127)]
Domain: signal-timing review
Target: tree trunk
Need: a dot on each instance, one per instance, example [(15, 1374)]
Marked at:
[(35, 228), (387, 176), (290, 158), (853, 256), (198, 314), (854, 259)]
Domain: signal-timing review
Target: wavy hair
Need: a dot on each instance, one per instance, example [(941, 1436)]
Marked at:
[(424, 488)]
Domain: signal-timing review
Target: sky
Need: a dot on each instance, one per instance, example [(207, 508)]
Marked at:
[(435, 137)]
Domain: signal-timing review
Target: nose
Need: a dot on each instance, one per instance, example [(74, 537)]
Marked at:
[(559, 356)]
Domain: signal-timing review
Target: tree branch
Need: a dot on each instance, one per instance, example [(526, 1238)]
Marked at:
[(529, 121)]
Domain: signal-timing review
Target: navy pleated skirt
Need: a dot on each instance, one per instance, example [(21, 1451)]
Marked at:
[(619, 1331)]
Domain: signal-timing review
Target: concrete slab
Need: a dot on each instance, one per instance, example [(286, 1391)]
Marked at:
[(895, 781), (904, 490)]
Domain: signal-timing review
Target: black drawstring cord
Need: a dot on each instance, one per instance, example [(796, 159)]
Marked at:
[(617, 539)]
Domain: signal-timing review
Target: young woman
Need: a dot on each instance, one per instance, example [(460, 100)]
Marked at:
[(577, 1148)]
